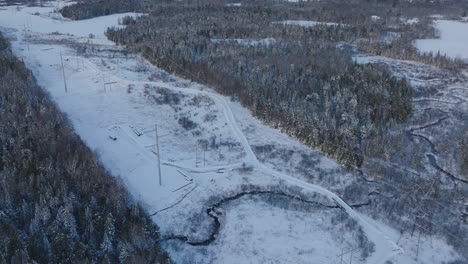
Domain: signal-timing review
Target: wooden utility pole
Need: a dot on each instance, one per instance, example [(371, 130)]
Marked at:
[(196, 156), (63, 72), (157, 153)]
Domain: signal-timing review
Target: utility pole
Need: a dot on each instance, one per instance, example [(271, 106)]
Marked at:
[(157, 153), (341, 259), (63, 72), (196, 155)]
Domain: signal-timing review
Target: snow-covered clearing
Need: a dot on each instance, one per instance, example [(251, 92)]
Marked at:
[(271, 229), (453, 40), (247, 42), (115, 100), (307, 23), (234, 4)]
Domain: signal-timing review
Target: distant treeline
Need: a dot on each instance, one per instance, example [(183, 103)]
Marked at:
[(89, 9), (57, 203), (375, 17), (342, 11)]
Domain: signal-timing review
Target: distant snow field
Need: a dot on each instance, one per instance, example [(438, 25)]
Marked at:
[(307, 23), (453, 40), (247, 42)]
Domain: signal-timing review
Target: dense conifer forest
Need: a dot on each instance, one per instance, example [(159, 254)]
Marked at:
[(57, 203)]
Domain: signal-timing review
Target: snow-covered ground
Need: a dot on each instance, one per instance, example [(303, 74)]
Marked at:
[(247, 42), (271, 228), (234, 4), (307, 23), (115, 100), (453, 40)]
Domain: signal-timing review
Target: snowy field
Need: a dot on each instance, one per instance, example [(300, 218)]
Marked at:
[(453, 40), (247, 42), (210, 149), (307, 23)]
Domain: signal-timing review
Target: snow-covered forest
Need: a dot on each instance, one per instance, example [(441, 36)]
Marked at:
[(235, 132)]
